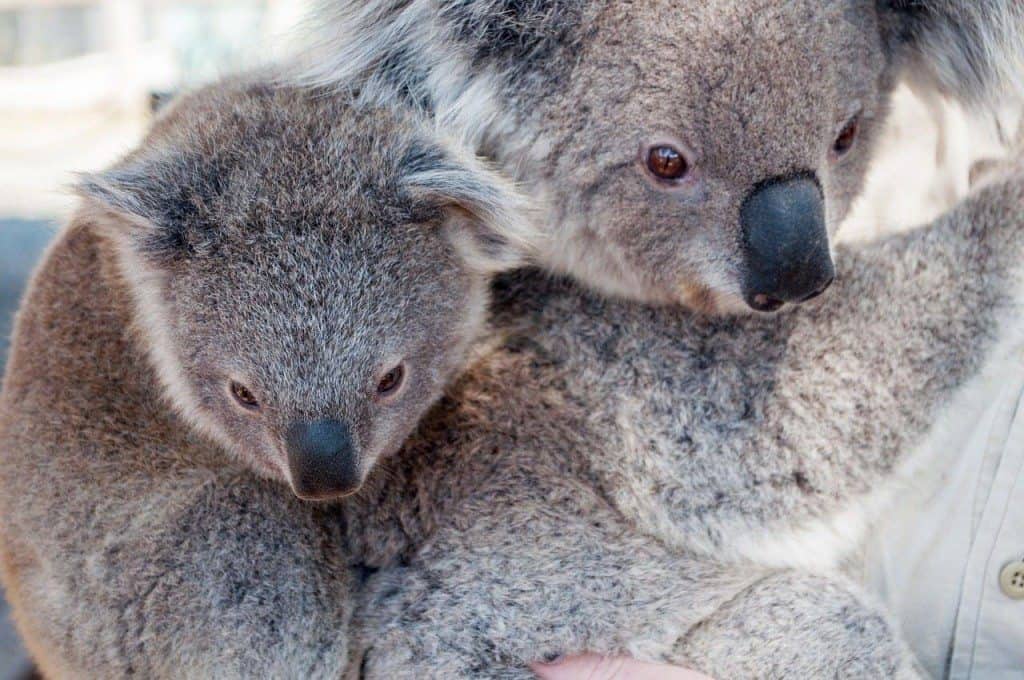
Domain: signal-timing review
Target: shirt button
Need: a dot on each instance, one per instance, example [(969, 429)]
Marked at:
[(1011, 580)]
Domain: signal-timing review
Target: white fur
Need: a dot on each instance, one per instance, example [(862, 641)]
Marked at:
[(157, 333)]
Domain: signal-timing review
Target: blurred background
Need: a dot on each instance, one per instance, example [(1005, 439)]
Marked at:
[(79, 78)]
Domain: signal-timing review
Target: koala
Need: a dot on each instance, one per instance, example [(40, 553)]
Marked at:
[(630, 479), (699, 153), (253, 307)]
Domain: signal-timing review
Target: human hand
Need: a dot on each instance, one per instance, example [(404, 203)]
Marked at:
[(597, 667)]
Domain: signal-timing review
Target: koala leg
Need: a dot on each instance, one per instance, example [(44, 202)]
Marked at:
[(797, 625)]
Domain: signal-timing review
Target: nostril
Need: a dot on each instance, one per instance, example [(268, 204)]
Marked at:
[(811, 296), (766, 303)]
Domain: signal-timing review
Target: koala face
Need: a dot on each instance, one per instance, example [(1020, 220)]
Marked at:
[(717, 161), (308, 277), (317, 351), (694, 152)]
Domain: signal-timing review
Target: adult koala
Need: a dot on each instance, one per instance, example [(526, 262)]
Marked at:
[(698, 152), (631, 479)]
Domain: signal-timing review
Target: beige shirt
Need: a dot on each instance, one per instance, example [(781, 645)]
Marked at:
[(951, 567)]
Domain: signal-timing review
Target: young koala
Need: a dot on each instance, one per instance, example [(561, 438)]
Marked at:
[(627, 479), (268, 293), (694, 152)]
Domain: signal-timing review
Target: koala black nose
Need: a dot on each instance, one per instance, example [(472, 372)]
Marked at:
[(785, 242), (322, 459)]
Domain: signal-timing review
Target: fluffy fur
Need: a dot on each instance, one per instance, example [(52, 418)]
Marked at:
[(258, 235), (565, 92), (152, 553), (971, 51), (566, 498)]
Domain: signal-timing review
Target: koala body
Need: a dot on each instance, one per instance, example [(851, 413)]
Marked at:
[(222, 321), (704, 155), (627, 479), (701, 153)]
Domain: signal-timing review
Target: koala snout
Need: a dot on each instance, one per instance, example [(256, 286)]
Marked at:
[(785, 243), (323, 460)]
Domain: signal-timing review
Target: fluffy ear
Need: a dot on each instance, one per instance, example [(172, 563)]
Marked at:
[(141, 203), (493, 222), (972, 50), (117, 193)]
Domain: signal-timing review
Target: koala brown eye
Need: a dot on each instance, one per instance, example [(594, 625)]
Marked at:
[(847, 136), (244, 396), (392, 381), (667, 162)]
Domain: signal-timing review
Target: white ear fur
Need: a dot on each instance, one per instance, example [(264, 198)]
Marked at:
[(119, 190)]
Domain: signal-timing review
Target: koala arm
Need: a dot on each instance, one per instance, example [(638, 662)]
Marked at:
[(797, 624), (972, 254), (911, 319), (489, 613), (852, 383), (934, 295), (520, 586), (214, 577)]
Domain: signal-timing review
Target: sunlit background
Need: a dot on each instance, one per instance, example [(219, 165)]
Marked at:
[(78, 79)]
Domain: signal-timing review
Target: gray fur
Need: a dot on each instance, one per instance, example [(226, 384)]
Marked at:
[(971, 51), (563, 497), (518, 486), (261, 235), (576, 502), (565, 92)]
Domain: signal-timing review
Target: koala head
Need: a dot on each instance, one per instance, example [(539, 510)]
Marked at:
[(694, 152), (307, 276), (726, 140)]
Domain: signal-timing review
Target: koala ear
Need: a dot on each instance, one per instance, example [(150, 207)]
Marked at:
[(971, 50), (492, 221), (117, 193), (140, 204)]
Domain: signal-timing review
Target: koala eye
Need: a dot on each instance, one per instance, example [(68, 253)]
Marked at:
[(244, 396), (392, 381), (847, 137), (666, 162)]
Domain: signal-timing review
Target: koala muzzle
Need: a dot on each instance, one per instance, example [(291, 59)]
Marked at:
[(323, 460), (785, 243)]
